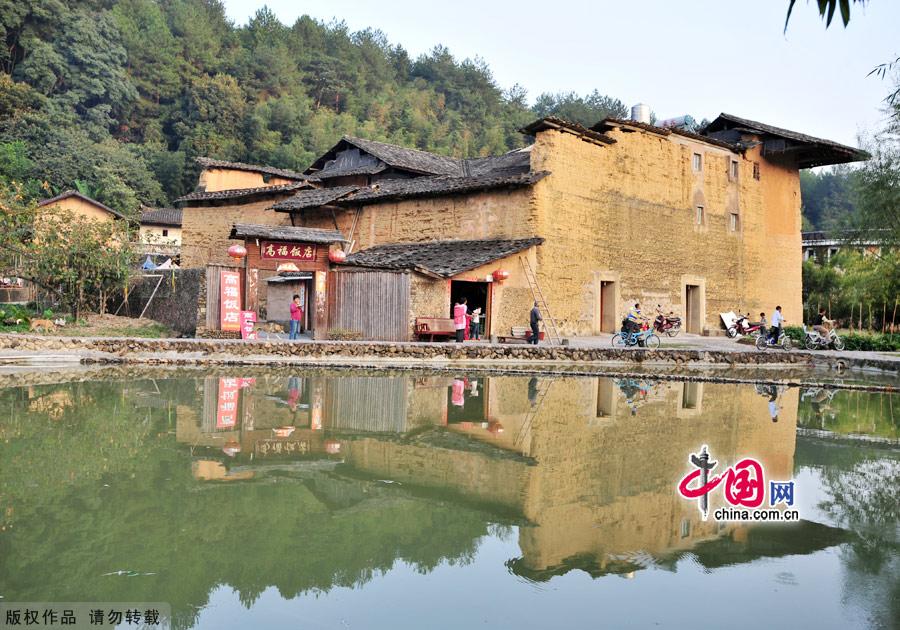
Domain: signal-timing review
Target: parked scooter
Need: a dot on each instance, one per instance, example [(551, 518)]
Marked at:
[(668, 324), (816, 341), (743, 326), (783, 342)]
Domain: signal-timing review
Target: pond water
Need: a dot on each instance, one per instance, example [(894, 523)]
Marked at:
[(267, 498)]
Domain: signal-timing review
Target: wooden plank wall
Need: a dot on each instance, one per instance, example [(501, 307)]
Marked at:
[(376, 303), (367, 404), (212, 297)]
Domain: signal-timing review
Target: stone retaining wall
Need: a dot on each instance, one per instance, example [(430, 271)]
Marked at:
[(227, 350)]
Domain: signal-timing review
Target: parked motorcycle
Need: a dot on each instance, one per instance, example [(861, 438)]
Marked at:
[(816, 341), (668, 324), (743, 326)]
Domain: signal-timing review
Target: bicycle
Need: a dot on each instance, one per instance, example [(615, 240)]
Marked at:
[(644, 337), (764, 341)]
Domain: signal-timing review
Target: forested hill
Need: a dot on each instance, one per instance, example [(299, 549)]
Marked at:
[(117, 98)]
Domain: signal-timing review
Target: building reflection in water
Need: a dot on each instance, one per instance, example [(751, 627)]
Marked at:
[(589, 465)]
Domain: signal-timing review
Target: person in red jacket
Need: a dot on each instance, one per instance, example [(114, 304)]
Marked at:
[(296, 317)]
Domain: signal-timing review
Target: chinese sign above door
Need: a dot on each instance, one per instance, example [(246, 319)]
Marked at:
[(278, 250)]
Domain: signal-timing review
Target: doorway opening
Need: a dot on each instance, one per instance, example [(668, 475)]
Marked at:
[(608, 314), (478, 295), (467, 400), (693, 309), (606, 398), (280, 291)]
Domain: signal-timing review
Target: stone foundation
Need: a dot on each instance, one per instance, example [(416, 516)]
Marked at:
[(238, 351)]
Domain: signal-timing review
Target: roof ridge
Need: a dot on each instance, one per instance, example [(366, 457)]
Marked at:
[(245, 166), (71, 192)]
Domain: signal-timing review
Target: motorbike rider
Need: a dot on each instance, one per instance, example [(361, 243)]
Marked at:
[(777, 320), (820, 323), (633, 319)]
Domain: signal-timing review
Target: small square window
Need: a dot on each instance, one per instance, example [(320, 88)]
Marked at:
[(698, 162), (735, 223), (735, 169), (756, 170), (701, 215), (165, 232)]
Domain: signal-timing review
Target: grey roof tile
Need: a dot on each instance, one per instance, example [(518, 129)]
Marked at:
[(239, 193), (387, 190), (206, 162), (313, 198), (160, 216), (286, 233), (442, 258)]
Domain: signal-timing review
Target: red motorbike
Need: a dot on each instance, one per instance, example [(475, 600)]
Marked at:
[(743, 326), (668, 324)]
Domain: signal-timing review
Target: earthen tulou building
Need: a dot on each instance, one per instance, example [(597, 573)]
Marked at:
[(588, 221)]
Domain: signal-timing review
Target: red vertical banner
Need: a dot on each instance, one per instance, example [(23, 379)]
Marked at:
[(248, 325), (229, 392), (230, 300)]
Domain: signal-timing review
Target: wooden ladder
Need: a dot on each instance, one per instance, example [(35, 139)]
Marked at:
[(543, 386), (549, 322)]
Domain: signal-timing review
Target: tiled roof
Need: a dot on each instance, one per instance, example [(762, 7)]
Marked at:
[(240, 193), (552, 122), (611, 123), (441, 258), (391, 189), (160, 216), (313, 198), (816, 152), (240, 166), (402, 158), (408, 159), (85, 198), (512, 163), (364, 169), (286, 233)]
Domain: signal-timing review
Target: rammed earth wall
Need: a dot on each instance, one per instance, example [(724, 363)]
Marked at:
[(627, 213)]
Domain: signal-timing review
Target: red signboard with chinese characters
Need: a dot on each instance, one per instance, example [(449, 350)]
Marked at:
[(279, 250), (230, 300), (229, 392), (248, 325)]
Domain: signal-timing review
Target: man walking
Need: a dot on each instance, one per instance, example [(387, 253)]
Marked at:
[(534, 319), (459, 319)]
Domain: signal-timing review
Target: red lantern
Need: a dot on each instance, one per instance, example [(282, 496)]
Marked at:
[(337, 255), (500, 275), (237, 252)]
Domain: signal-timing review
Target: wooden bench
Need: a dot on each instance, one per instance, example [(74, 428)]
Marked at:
[(519, 334), (432, 327)]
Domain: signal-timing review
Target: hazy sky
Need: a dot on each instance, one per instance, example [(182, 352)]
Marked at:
[(697, 57)]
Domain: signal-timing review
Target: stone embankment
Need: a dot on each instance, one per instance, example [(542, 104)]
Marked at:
[(224, 351)]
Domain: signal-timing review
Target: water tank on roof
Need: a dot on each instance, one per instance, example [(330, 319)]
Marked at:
[(641, 113)]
